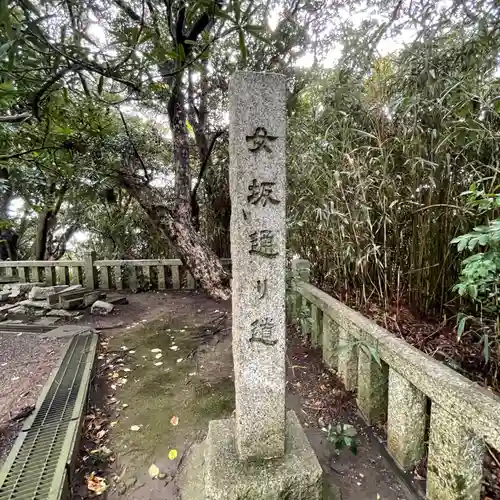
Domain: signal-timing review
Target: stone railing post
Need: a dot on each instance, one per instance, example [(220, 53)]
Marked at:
[(316, 325), (301, 271), (455, 463), (90, 270), (406, 421), (347, 359), (373, 380)]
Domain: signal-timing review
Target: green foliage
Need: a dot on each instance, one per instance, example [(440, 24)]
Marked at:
[(480, 274), (342, 436), (388, 155), (479, 279)]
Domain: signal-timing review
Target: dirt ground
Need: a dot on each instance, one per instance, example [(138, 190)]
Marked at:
[(26, 362), (162, 378)]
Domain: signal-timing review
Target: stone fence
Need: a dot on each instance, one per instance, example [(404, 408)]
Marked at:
[(424, 406), (147, 274)]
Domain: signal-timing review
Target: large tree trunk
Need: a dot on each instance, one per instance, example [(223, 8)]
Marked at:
[(175, 223), (42, 231), (8, 237), (216, 189), (176, 226)]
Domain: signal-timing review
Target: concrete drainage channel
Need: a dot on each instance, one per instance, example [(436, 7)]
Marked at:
[(40, 465)]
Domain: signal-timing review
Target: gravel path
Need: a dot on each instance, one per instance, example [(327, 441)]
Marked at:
[(26, 361)]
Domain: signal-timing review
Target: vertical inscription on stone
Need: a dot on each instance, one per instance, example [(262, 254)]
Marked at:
[(257, 184)]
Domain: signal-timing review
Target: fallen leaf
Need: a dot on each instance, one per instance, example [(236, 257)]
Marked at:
[(96, 484), (122, 381), (131, 352), (135, 428), (127, 370), (124, 405), (174, 348), (179, 360), (156, 350), (124, 348), (101, 433), (154, 472), (103, 451), (14, 378), (159, 355), (158, 363), (192, 374), (112, 424), (174, 420), (172, 454)]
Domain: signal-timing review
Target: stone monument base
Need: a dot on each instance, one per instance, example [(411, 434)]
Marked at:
[(296, 476)]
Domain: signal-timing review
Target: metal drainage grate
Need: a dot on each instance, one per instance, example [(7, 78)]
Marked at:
[(36, 468)]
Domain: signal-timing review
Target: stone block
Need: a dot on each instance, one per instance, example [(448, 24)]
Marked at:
[(406, 421), (455, 463), (71, 303), (330, 342), (372, 387), (117, 299), (20, 289), (90, 298), (316, 325), (54, 297), (7, 307), (35, 304), (4, 295), (295, 476), (18, 310), (62, 313), (102, 308), (347, 361), (43, 293)]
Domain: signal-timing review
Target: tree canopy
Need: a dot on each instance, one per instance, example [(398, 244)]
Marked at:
[(113, 123)]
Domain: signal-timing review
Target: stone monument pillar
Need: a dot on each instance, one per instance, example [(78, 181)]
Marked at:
[(263, 453), (257, 181)]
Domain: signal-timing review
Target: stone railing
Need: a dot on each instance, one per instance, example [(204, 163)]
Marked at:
[(147, 274), (398, 387)]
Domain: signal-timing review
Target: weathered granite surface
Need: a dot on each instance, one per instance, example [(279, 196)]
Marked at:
[(347, 360), (295, 476), (316, 325), (43, 292), (257, 185), (330, 342), (406, 421), (372, 387), (455, 463)]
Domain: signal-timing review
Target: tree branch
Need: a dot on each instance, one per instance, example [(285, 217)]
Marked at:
[(18, 155), (204, 163), (136, 152), (128, 10), (15, 118), (46, 86)]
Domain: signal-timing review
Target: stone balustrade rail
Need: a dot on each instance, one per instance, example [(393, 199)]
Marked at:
[(425, 406), (146, 274)]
